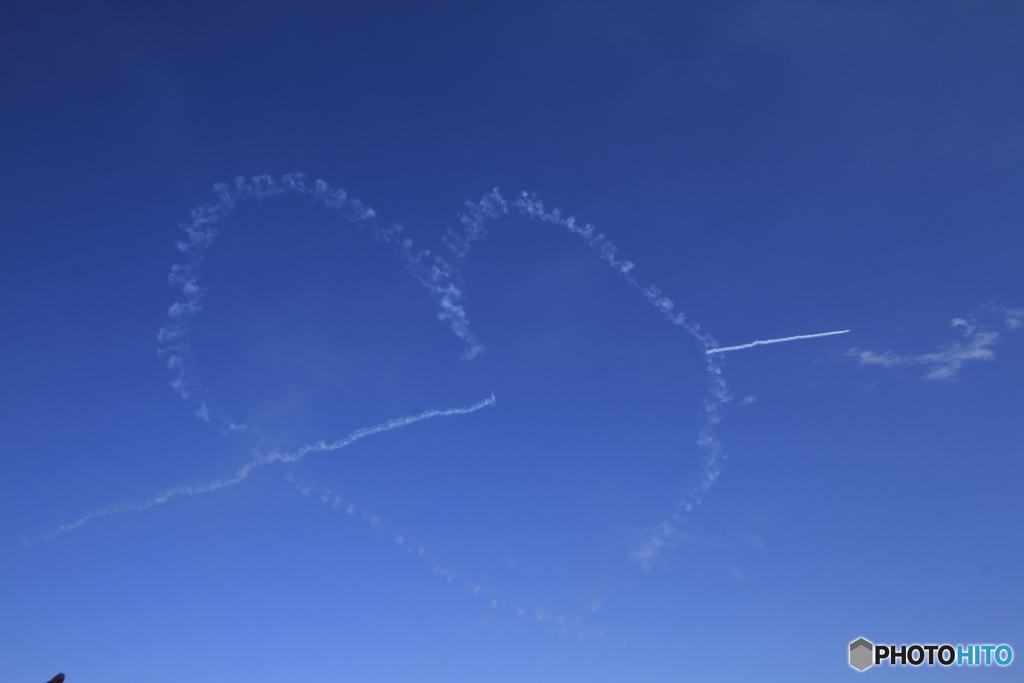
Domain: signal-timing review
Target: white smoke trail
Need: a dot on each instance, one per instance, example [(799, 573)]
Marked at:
[(665, 533), (499, 604), (440, 276), (762, 342), (263, 459)]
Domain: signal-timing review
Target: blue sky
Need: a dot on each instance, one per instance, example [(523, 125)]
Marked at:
[(774, 169)]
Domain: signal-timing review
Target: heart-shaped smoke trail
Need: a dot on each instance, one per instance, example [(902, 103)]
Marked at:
[(440, 274)]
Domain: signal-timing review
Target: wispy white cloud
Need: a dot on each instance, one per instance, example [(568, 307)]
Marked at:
[(1013, 318), (975, 343)]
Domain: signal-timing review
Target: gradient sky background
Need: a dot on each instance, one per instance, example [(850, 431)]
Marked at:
[(777, 168)]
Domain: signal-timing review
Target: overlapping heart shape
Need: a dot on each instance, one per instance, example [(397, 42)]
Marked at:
[(440, 273)]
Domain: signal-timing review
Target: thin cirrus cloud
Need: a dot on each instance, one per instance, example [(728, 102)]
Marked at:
[(975, 342), (1013, 318)]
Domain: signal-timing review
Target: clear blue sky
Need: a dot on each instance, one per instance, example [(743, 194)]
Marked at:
[(775, 168)]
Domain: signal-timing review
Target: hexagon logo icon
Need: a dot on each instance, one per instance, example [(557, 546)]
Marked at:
[(862, 654)]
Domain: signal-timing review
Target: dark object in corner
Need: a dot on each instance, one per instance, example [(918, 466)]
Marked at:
[(59, 678)]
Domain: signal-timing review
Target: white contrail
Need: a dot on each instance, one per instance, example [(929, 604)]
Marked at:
[(761, 342), (262, 459)]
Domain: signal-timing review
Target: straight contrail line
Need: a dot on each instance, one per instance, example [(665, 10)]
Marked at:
[(262, 459), (761, 342)]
